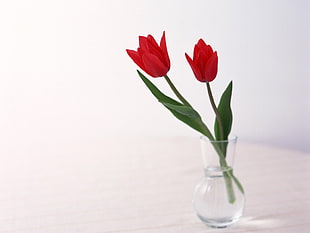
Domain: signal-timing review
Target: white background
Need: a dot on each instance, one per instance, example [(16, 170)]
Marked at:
[(65, 75)]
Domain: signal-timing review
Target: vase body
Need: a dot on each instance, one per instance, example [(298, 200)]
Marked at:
[(218, 198)]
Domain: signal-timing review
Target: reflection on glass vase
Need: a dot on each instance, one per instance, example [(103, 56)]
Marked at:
[(218, 197)]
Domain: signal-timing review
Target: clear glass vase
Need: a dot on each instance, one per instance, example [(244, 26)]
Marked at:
[(218, 198)]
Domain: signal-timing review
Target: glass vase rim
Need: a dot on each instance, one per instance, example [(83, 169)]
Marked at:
[(232, 138)]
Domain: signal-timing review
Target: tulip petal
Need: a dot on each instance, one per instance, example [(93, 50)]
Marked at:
[(164, 50), (153, 65), (135, 56), (195, 69), (154, 49), (204, 48), (201, 61), (201, 43), (150, 39), (211, 68), (196, 51), (143, 43)]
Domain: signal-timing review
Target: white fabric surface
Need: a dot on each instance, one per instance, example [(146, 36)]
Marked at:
[(143, 186)]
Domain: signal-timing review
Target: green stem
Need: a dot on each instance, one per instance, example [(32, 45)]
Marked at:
[(176, 92), (217, 114), (227, 171)]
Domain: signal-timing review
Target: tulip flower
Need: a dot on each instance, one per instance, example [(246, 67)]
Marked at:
[(151, 57), (204, 66), (204, 62)]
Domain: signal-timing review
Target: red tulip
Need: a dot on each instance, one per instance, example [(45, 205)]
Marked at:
[(204, 62), (151, 57)]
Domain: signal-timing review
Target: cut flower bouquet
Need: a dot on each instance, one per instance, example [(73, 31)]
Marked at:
[(154, 60)]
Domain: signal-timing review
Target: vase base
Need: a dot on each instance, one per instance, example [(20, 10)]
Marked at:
[(218, 222)]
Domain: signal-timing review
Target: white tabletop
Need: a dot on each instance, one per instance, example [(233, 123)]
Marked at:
[(143, 186)]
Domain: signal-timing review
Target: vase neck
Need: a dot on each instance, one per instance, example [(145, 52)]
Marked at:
[(216, 171), (218, 155)]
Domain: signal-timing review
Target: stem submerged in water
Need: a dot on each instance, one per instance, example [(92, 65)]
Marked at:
[(227, 173)]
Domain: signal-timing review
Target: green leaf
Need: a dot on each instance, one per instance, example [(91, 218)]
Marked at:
[(190, 117), (225, 114), (184, 113), (183, 110), (161, 97)]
